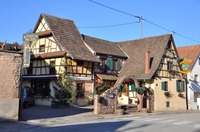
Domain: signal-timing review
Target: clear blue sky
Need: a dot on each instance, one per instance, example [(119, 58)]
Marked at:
[(181, 16)]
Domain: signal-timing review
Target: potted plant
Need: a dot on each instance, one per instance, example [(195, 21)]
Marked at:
[(167, 94), (140, 90), (180, 95)]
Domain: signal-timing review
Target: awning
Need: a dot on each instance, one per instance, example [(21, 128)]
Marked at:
[(195, 87)]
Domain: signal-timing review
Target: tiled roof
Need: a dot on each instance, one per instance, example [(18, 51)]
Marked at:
[(103, 46), (9, 46), (136, 49), (189, 52), (67, 35), (107, 77)]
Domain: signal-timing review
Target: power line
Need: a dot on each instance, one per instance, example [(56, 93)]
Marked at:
[(114, 9), (108, 26), (142, 19)]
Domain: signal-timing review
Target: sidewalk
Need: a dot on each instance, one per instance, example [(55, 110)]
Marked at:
[(144, 113), (40, 117)]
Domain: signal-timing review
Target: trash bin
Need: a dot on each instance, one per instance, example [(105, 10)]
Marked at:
[(198, 102)]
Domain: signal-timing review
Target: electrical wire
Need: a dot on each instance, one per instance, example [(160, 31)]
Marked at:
[(108, 26), (142, 19)]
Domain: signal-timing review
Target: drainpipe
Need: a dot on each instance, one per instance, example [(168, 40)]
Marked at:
[(186, 90)]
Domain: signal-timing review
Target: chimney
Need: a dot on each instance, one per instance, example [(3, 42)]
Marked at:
[(147, 62)]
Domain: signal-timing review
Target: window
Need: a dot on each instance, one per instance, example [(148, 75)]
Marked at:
[(151, 62), (115, 65), (40, 88), (79, 63), (165, 86), (110, 63), (52, 63), (180, 86), (80, 90), (119, 65), (196, 78), (52, 67), (30, 69), (169, 65), (199, 60), (132, 87), (167, 104), (42, 48)]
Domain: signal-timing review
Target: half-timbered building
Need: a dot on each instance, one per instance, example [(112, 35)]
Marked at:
[(146, 70), (112, 58), (150, 78), (60, 49)]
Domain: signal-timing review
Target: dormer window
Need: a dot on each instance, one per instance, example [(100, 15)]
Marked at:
[(42, 48)]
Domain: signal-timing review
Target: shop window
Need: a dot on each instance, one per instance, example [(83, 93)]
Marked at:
[(40, 88)]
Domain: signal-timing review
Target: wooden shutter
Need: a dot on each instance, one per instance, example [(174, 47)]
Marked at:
[(183, 86), (110, 63), (177, 86), (118, 65), (163, 85), (132, 87)]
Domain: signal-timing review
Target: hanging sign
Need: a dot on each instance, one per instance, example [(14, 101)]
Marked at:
[(185, 64), (28, 39)]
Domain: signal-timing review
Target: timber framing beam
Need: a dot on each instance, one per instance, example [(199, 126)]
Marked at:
[(48, 55), (45, 34)]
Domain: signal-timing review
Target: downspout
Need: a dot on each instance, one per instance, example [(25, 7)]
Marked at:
[(186, 90)]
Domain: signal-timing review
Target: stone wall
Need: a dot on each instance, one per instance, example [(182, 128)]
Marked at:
[(10, 65), (106, 103)]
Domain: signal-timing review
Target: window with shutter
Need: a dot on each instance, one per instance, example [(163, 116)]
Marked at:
[(164, 86), (183, 86), (118, 65), (177, 85), (180, 86), (110, 63), (132, 87)]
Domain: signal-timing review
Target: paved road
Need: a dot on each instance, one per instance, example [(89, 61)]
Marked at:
[(48, 119)]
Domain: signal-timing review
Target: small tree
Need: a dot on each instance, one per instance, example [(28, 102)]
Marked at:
[(66, 93)]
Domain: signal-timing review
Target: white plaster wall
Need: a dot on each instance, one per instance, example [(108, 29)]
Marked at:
[(192, 96)]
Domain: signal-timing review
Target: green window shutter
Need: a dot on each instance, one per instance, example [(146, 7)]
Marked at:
[(183, 86), (110, 63), (177, 86), (118, 65), (132, 87), (163, 85)]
